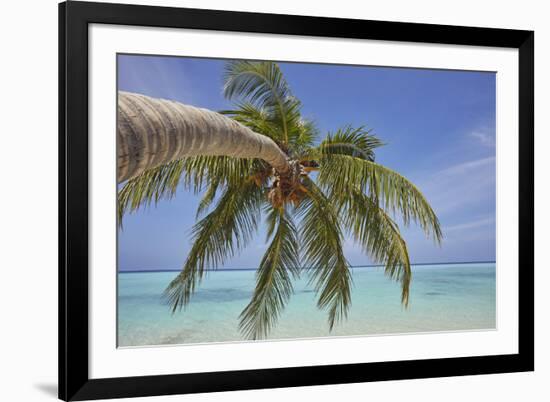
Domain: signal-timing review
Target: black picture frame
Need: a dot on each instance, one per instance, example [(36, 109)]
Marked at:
[(74, 381)]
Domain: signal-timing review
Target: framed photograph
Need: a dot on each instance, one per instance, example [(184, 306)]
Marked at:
[(259, 201)]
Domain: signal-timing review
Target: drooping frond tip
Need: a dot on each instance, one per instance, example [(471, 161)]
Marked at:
[(321, 237), (216, 237), (342, 175), (279, 266)]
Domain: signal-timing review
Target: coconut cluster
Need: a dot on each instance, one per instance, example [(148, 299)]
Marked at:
[(288, 186)]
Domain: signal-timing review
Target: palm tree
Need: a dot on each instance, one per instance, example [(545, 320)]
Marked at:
[(315, 195)]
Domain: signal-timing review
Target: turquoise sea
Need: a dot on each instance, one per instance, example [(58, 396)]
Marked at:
[(447, 297)]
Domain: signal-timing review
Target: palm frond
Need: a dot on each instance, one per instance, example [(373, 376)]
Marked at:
[(379, 237), (193, 173), (208, 197), (150, 186), (356, 142), (341, 174), (263, 85), (304, 134), (278, 267), (301, 132), (257, 119), (216, 237), (321, 240)]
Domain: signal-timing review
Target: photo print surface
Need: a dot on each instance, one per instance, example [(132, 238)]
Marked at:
[(262, 200)]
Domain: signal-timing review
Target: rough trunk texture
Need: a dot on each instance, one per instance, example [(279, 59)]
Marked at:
[(152, 132)]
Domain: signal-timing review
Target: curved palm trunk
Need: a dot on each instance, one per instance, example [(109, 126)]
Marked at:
[(152, 132)]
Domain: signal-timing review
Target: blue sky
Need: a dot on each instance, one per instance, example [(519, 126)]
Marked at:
[(439, 127)]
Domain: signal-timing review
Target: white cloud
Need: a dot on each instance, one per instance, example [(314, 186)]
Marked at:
[(461, 186), (471, 225), (484, 135), (467, 167)]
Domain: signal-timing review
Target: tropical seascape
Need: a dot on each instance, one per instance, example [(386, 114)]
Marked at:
[(331, 182), (447, 297)]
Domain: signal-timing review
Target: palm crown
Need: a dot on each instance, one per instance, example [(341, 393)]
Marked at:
[(333, 188)]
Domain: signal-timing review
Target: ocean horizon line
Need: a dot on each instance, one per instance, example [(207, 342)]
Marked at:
[(130, 271)]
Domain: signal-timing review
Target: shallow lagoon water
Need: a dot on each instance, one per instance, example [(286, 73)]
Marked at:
[(447, 297)]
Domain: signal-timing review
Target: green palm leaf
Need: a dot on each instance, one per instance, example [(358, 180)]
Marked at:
[(150, 186), (379, 236), (278, 267), (341, 174), (356, 142), (216, 237), (193, 173), (255, 118), (263, 85), (321, 239), (301, 132), (208, 197), (304, 134)]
